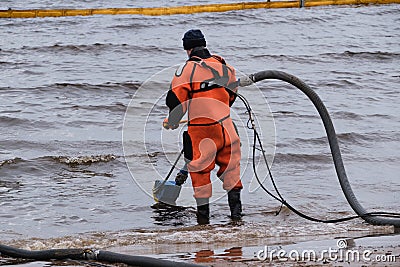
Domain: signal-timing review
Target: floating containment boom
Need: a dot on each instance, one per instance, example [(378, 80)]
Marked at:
[(162, 11)]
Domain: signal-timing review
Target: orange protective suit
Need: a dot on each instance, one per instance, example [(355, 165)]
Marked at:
[(200, 87)]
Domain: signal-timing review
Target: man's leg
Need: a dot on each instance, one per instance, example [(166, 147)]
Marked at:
[(202, 193), (203, 211), (235, 204), (229, 161)]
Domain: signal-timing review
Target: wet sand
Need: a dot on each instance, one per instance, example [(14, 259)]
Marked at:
[(390, 257), (356, 250), (375, 250)]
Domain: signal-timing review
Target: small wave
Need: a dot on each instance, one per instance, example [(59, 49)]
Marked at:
[(12, 64), (128, 87), (302, 158), (10, 161), (340, 83), (303, 58), (96, 48), (365, 55), (305, 141), (210, 234), (10, 121), (130, 26), (373, 55), (151, 154), (370, 137), (290, 114), (348, 138), (25, 124), (354, 138), (291, 58), (90, 87), (345, 138), (84, 160), (70, 160), (113, 107), (72, 48), (347, 115)]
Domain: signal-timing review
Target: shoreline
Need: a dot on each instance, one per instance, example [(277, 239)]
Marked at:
[(370, 250), (358, 248)]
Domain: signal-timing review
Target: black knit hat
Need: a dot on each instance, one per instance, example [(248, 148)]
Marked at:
[(193, 38)]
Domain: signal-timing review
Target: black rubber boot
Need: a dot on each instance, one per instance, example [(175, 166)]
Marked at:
[(203, 211), (235, 204)]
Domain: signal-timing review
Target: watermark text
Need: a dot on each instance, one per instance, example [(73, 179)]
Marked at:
[(340, 253)]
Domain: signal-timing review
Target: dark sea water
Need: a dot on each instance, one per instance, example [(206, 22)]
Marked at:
[(77, 170)]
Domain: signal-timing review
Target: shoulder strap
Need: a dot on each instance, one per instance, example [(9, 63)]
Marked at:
[(217, 81)]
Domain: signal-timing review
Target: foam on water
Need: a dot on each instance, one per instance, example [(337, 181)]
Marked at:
[(249, 233)]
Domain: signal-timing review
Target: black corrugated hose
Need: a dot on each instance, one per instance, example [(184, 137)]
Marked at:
[(375, 218), (90, 254)]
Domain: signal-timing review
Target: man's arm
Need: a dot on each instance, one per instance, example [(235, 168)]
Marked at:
[(178, 95)]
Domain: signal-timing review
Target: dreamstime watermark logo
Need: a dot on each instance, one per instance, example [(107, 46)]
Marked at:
[(150, 150), (341, 243), (341, 253)]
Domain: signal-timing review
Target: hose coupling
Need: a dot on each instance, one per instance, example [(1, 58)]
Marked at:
[(246, 80), (90, 254)]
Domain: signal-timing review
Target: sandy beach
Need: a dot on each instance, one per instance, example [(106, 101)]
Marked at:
[(357, 250)]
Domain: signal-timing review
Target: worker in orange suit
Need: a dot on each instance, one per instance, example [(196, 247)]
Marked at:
[(205, 87)]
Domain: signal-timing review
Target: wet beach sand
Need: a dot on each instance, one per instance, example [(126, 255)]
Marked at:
[(359, 250), (201, 245), (387, 248)]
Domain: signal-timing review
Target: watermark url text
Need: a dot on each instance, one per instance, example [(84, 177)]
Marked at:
[(340, 253)]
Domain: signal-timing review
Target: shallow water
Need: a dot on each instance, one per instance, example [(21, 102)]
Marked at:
[(66, 84)]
